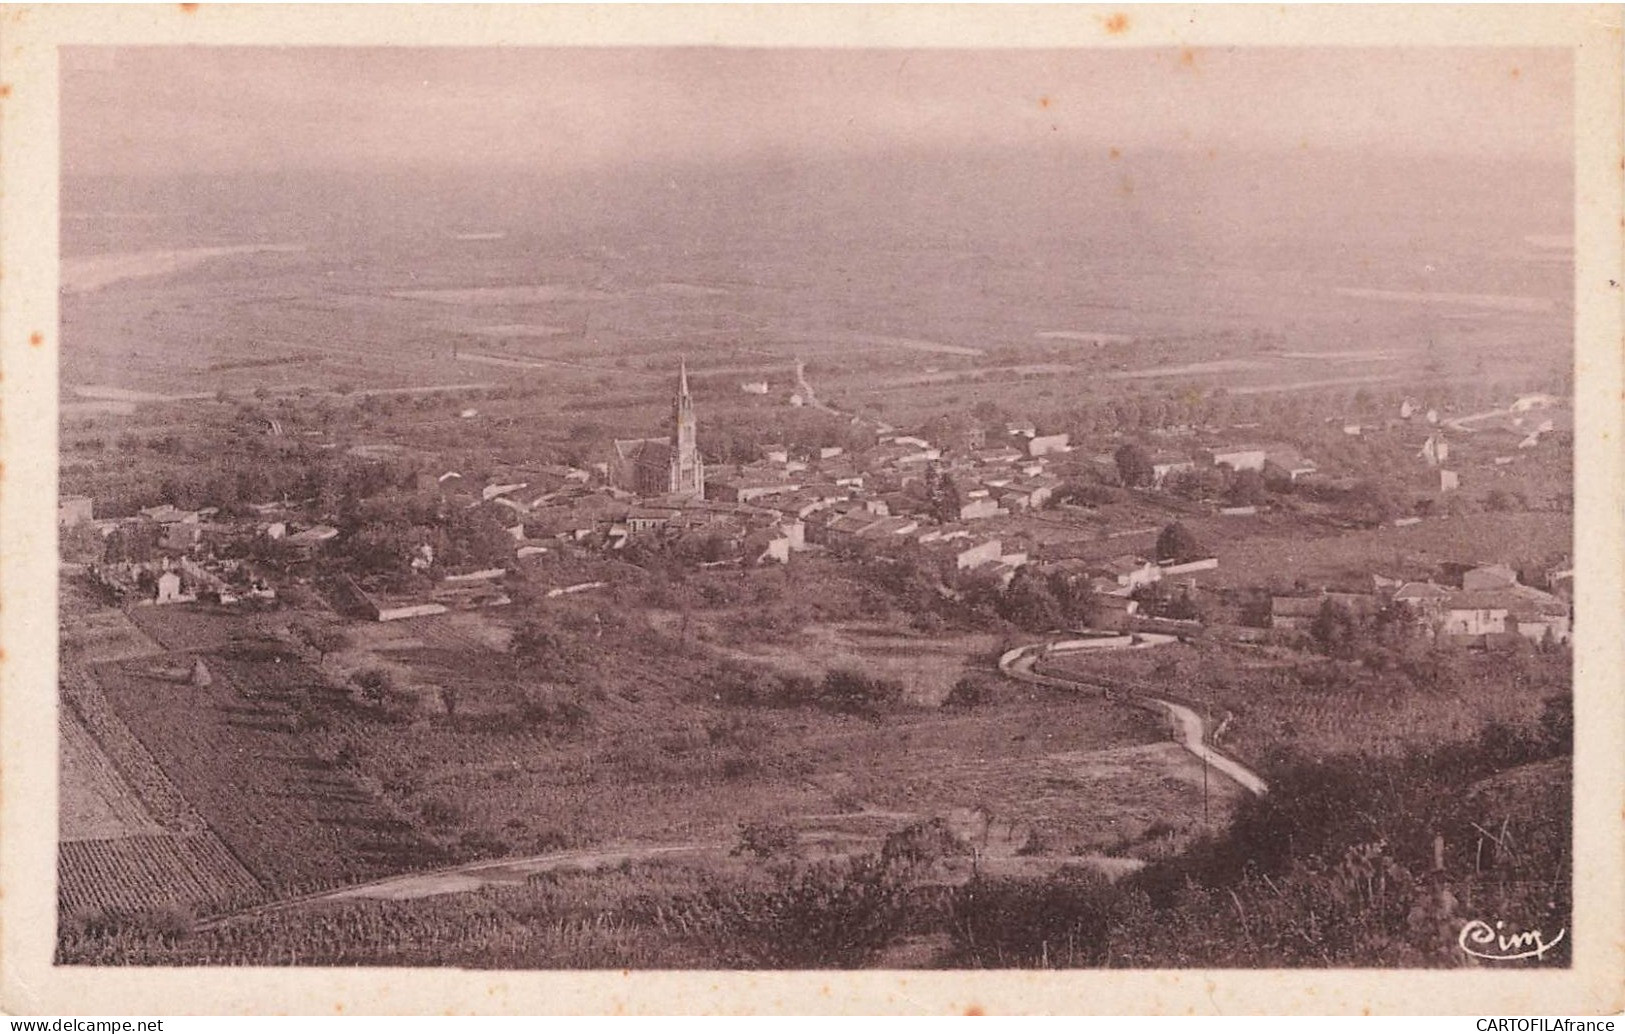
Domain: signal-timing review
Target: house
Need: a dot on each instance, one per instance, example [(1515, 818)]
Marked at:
[(1299, 612), (1044, 444), (1476, 613), (778, 550), (1489, 577), (1287, 460), (1173, 569), (170, 591), (1449, 480), (1425, 600), (1038, 490), (1114, 612), (73, 510), (775, 453), (1128, 572), (979, 508), (753, 387), (998, 456), (181, 536), (964, 555), (1240, 457), (1166, 464), (1021, 429), (648, 519), (167, 514), (743, 489), (1519, 609), (845, 530)]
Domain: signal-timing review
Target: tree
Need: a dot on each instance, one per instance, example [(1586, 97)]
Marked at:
[(1030, 603), (1335, 629), (1134, 464), (1177, 543), (1247, 488)]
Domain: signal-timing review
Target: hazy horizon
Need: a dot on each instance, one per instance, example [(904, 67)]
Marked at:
[(165, 111)]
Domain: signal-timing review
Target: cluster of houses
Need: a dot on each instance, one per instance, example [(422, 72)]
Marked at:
[(1483, 605), (182, 579), (174, 555)]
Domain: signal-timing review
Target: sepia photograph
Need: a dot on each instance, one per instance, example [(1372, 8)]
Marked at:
[(742, 507)]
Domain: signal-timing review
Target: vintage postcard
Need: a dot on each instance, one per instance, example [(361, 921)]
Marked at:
[(811, 509)]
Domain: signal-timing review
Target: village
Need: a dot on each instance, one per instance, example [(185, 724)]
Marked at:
[(1109, 523)]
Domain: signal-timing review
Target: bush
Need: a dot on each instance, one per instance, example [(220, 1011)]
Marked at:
[(923, 845), (852, 692), (973, 690), (767, 840), (835, 915), (1061, 922), (375, 684)]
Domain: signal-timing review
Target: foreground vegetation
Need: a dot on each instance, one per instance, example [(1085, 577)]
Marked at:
[(1348, 862)]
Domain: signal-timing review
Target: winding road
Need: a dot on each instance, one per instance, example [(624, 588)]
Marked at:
[(1018, 664)]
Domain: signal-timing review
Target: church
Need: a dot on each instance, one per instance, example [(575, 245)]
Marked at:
[(664, 466)]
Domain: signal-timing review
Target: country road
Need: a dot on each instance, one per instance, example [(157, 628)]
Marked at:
[(1018, 664)]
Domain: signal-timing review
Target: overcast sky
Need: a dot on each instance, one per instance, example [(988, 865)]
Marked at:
[(165, 110)]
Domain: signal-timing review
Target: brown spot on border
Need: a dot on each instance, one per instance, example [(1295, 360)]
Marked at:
[(974, 1010), (36, 339), (1117, 24), (188, 8)]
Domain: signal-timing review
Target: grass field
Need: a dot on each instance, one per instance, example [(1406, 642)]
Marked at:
[(1308, 706), (1259, 551)]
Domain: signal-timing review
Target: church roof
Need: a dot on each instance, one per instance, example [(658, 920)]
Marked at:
[(643, 449)]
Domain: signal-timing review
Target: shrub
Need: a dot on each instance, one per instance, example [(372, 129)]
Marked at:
[(922, 845), (834, 915), (852, 692), (767, 840), (375, 684), (1061, 922), (973, 690)]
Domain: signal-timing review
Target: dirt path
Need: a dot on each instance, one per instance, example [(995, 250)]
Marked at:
[(474, 875), (1018, 664)]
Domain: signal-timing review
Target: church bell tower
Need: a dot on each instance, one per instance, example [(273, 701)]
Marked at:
[(687, 469)]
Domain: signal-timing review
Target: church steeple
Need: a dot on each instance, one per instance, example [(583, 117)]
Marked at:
[(687, 468)]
